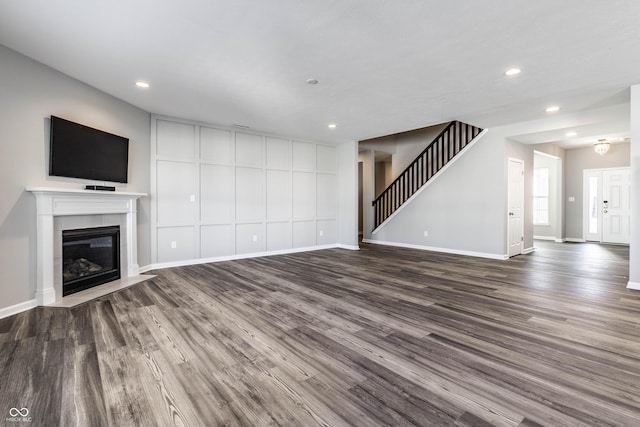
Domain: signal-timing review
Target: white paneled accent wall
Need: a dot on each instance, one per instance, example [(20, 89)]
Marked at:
[(221, 193)]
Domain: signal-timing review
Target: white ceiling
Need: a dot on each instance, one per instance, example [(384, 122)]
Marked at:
[(383, 66)]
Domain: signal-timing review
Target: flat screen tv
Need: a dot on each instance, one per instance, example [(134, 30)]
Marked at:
[(78, 151)]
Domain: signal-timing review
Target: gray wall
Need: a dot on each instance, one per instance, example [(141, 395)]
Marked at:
[(462, 210), (409, 145), (29, 94), (576, 161)]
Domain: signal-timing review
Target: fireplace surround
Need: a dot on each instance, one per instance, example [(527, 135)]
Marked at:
[(59, 206)]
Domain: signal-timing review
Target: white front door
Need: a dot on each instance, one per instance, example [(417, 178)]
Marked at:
[(607, 210), (515, 206), (592, 209), (616, 208)]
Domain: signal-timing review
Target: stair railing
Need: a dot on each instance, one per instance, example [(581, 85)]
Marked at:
[(451, 141)]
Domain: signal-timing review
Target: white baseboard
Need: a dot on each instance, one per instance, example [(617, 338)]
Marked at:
[(633, 285), (528, 250), (549, 238), (18, 308), (436, 249), (348, 247), (245, 256), (573, 240), (144, 269)]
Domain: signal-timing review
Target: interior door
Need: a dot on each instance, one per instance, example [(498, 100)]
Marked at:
[(515, 208), (616, 208)]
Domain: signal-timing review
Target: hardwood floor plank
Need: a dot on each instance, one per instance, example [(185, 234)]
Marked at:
[(82, 393), (126, 383), (107, 330), (32, 379)]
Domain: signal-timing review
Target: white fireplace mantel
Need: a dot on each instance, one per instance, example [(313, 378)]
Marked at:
[(52, 202)]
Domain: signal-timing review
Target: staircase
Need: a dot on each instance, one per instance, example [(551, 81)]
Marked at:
[(448, 144)]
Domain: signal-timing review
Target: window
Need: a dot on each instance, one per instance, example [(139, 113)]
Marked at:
[(541, 196), (593, 204)]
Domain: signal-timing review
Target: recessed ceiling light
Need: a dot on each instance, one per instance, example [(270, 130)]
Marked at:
[(311, 81), (512, 72), (570, 134), (142, 84), (552, 109), (332, 126)]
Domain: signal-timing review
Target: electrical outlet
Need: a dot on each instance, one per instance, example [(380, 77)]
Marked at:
[(321, 233), (572, 199), (192, 198), (174, 245), (426, 233), (255, 238)]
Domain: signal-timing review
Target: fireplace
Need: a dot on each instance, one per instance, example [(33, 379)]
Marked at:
[(90, 257)]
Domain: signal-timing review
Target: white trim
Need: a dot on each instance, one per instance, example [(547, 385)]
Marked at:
[(633, 285), (55, 202), (18, 308), (430, 181), (522, 186), (435, 249), (158, 266), (546, 155), (528, 251), (550, 238), (574, 240), (145, 269), (347, 247)]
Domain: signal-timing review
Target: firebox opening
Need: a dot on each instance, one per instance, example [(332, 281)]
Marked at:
[(91, 257)]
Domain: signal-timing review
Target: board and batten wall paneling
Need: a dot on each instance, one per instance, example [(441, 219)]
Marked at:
[(217, 146), (304, 234), (304, 195), (217, 194), (249, 150), (175, 140), (217, 240), (249, 194), (278, 201), (304, 156), (250, 238), (279, 235), (220, 193), (278, 154), (176, 186), (327, 206)]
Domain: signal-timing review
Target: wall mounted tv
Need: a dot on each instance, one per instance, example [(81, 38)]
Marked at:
[(78, 151)]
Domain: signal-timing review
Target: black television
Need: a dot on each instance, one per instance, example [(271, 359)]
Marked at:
[(78, 151)]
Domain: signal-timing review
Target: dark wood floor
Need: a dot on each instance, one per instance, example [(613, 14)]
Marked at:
[(382, 336)]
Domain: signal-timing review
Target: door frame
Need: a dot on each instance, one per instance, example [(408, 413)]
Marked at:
[(585, 199), (522, 213)]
